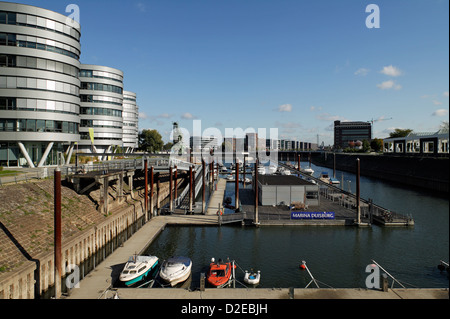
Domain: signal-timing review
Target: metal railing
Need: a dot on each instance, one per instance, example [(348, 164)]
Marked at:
[(348, 200)]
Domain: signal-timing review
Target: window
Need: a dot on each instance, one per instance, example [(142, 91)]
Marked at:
[(12, 40), (12, 18), (49, 126), (3, 60), (3, 38), (21, 125), (12, 103), (31, 125), (40, 125)]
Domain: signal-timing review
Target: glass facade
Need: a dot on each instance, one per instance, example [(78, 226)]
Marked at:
[(48, 99), (39, 85)]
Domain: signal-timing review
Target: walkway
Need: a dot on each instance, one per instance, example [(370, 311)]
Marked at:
[(217, 197)]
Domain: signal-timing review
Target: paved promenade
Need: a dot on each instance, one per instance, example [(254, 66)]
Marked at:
[(217, 197)]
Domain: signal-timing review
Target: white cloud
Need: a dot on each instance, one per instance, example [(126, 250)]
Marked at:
[(445, 94), (142, 115), (141, 7), (285, 108), (188, 116), (387, 85), (440, 112), (391, 71), (329, 117), (288, 125), (436, 102), (362, 72), (314, 108)]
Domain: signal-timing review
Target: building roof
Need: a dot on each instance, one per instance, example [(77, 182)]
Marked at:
[(442, 133), (282, 180)]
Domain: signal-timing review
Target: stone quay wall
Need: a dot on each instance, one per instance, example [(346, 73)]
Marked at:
[(88, 236)]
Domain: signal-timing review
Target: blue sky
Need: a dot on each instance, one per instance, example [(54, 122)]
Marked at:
[(292, 64)]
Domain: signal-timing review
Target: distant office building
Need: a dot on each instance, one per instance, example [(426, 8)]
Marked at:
[(130, 121), (199, 143), (101, 110), (418, 143), (347, 132)]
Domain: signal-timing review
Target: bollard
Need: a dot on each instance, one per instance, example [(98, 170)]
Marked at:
[(384, 282), (202, 281)]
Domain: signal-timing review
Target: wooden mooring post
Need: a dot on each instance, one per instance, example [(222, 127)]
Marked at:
[(236, 191), (256, 193), (146, 187), (57, 226), (203, 188), (358, 193)]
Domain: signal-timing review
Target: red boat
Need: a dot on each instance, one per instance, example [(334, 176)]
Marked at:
[(219, 273)]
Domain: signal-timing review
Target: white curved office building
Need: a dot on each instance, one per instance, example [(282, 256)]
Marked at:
[(101, 95), (130, 121), (39, 86), (51, 105)]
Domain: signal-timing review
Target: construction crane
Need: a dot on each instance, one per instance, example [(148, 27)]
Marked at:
[(380, 119)]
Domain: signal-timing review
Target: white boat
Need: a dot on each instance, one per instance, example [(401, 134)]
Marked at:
[(308, 170), (137, 268), (272, 169), (324, 177), (230, 177), (334, 181), (176, 269), (261, 170), (252, 278), (285, 172)]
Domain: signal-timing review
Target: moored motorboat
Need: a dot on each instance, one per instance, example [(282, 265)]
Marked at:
[(230, 177), (261, 170), (324, 177), (137, 268), (334, 181), (176, 269), (307, 170), (272, 169), (220, 273), (252, 278)]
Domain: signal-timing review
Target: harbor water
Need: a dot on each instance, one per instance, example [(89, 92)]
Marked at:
[(336, 256)]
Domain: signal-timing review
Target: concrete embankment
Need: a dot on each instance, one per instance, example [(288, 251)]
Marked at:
[(424, 172)]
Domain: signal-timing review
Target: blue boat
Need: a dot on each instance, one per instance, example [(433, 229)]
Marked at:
[(137, 268)]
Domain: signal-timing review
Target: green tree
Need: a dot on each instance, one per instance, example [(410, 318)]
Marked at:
[(376, 144), (400, 132), (150, 141), (168, 146), (365, 145)]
